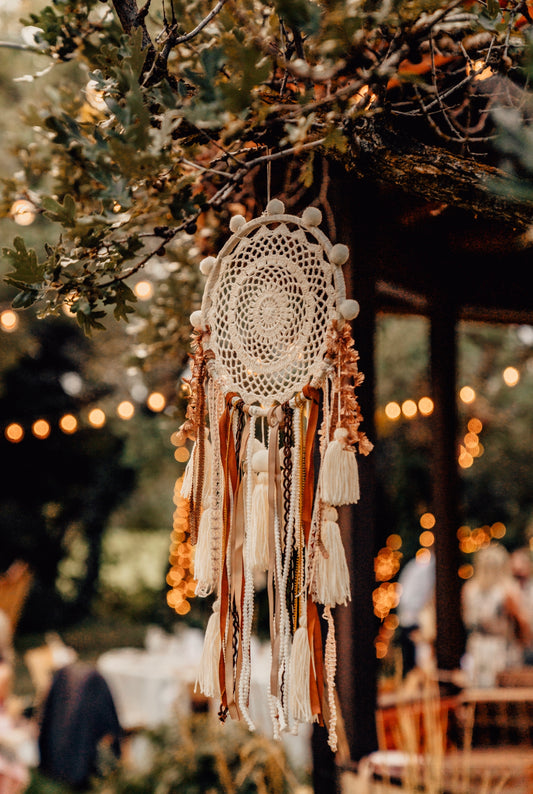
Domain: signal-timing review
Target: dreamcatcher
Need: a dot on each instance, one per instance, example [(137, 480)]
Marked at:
[(275, 423)]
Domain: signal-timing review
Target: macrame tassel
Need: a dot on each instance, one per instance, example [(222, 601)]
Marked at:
[(299, 666), (339, 475), (207, 679), (189, 474), (203, 558), (332, 575), (186, 486), (258, 532)]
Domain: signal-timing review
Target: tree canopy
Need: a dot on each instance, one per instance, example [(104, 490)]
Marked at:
[(174, 114)]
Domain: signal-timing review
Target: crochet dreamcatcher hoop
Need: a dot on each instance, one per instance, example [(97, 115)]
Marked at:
[(272, 389)]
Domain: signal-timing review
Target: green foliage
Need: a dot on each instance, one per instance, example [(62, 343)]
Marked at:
[(201, 755), (149, 125)]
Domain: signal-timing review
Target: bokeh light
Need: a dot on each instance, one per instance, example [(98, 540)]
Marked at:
[(511, 376), (97, 417), (9, 321), (393, 410), (467, 394), (40, 428), (14, 432), (68, 424), (156, 401)]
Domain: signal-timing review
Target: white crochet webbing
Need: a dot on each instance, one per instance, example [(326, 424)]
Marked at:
[(268, 302)]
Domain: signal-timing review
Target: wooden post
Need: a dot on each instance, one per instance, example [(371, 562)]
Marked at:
[(443, 346), (356, 624)]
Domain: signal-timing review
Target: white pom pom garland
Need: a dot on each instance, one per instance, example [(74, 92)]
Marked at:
[(349, 309), (339, 254), (311, 217)]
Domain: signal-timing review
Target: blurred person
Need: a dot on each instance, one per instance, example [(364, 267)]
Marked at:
[(493, 616), (6, 658), (522, 571), (416, 613)]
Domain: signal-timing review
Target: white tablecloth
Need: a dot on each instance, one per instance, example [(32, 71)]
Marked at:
[(150, 686)]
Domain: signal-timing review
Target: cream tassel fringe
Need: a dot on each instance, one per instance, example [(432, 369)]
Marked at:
[(299, 667), (203, 559), (258, 538), (188, 476), (332, 575), (208, 675), (338, 474)]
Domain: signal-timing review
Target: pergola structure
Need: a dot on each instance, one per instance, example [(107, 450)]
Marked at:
[(448, 262)]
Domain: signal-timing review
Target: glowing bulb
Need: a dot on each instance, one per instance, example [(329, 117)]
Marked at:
[(475, 426), (144, 290), (467, 394), (394, 542), (8, 320), (156, 401), (498, 530), (466, 571), (511, 376), (425, 406), (68, 424), (97, 417), (40, 428), (23, 212), (409, 408), (14, 432), (427, 521), (392, 410), (125, 409)]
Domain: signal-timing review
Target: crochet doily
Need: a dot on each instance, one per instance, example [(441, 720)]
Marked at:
[(268, 302)]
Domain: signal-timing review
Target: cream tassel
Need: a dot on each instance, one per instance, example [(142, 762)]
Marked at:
[(203, 559), (338, 474), (332, 575), (258, 537), (189, 474), (186, 486), (208, 680), (299, 668)]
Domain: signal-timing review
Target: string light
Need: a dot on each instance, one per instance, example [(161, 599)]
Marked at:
[(181, 557), (14, 432), (97, 417), (41, 428), (156, 401), (511, 376), (125, 409), (68, 424), (23, 212), (143, 290), (9, 321)]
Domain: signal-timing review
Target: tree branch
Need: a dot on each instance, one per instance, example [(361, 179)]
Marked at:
[(436, 174)]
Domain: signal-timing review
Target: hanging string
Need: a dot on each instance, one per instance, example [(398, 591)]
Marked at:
[(269, 175)]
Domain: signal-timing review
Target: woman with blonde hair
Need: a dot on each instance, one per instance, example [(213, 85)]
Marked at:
[(496, 625)]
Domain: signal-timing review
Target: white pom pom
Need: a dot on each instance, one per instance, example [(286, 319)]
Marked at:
[(207, 265), (236, 223), (196, 319), (275, 207), (338, 474), (311, 216), (260, 460), (339, 254), (349, 309)]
